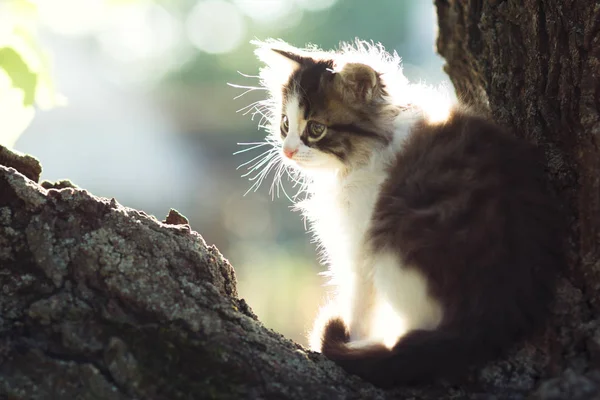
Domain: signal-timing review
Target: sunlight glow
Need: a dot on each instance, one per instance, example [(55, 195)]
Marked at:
[(326, 312), (139, 31), (265, 11), (315, 5), (387, 325), (215, 26), (72, 17), (435, 101), (15, 116)]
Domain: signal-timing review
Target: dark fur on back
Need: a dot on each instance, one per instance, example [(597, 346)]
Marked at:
[(466, 204)]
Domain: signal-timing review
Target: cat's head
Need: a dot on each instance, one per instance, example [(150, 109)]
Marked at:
[(328, 112)]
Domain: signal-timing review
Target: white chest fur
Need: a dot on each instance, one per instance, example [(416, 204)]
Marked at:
[(340, 212), (381, 297)]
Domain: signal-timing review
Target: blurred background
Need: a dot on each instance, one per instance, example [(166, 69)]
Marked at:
[(128, 99)]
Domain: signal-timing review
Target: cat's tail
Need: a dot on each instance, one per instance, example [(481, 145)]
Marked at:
[(419, 356)]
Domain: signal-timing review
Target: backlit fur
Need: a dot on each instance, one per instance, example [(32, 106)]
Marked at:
[(391, 176)]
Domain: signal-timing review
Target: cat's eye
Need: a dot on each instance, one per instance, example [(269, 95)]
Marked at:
[(285, 125), (316, 130)]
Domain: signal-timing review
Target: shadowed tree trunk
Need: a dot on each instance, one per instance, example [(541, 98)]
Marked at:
[(98, 301), (534, 66)]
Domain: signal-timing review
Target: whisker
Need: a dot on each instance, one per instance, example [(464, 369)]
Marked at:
[(235, 85), (246, 92), (259, 167), (280, 182), (262, 113), (258, 164), (250, 107), (262, 121), (256, 146), (250, 143), (276, 180), (261, 175), (286, 194), (256, 158), (254, 187), (247, 76), (269, 167)]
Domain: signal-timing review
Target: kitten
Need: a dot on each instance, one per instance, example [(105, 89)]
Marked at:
[(437, 229)]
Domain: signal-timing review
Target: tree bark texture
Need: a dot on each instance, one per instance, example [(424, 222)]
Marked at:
[(534, 66), (103, 302), (99, 301)]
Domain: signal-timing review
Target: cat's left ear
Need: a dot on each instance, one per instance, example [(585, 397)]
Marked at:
[(279, 56), (358, 82)]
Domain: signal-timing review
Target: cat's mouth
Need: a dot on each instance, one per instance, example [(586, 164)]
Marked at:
[(312, 166), (297, 163)]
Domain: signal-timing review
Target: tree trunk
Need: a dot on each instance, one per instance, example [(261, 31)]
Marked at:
[(534, 66), (101, 301)]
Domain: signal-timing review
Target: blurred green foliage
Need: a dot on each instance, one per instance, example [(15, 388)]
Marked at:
[(19, 73), (25, 70)]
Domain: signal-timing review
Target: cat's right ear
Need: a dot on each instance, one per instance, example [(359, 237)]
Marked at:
[(358, 82), (281, 59)]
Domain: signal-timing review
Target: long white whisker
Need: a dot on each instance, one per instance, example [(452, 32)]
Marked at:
[(245, 87), (246, 92), (276, 179), (261, 175), (247, 76), (298, 179), (262, 121), (249, 107), (260, 112), (285, 193), (280, 185), (260, 167), (256, 146), (267, 152), (259, 164), (272, 163), (251, 143), (257, 183)]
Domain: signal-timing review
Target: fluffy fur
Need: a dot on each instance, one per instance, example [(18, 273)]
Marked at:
[(436, 227)]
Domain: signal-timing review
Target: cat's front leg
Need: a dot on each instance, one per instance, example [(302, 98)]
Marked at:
[(363, 302)]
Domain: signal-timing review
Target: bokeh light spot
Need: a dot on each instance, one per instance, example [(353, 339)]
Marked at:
[(215, 26), (139, 31), (265, 11), (315, 5), (72, 17)]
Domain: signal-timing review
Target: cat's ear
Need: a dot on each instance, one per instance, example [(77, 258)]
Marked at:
[(279, 56), (358, 82), (293, 58)]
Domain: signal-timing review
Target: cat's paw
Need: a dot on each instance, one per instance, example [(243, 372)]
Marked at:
[(335, 336), (336, 331)]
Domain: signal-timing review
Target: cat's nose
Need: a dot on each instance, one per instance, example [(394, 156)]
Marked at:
[(289, 153)]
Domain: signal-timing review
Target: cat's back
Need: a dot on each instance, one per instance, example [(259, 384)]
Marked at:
[(467, 203), (466, 151), (466, 160)]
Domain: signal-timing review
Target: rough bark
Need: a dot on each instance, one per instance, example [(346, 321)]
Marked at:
[(102, 301), (534, 66), (105, 302)]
